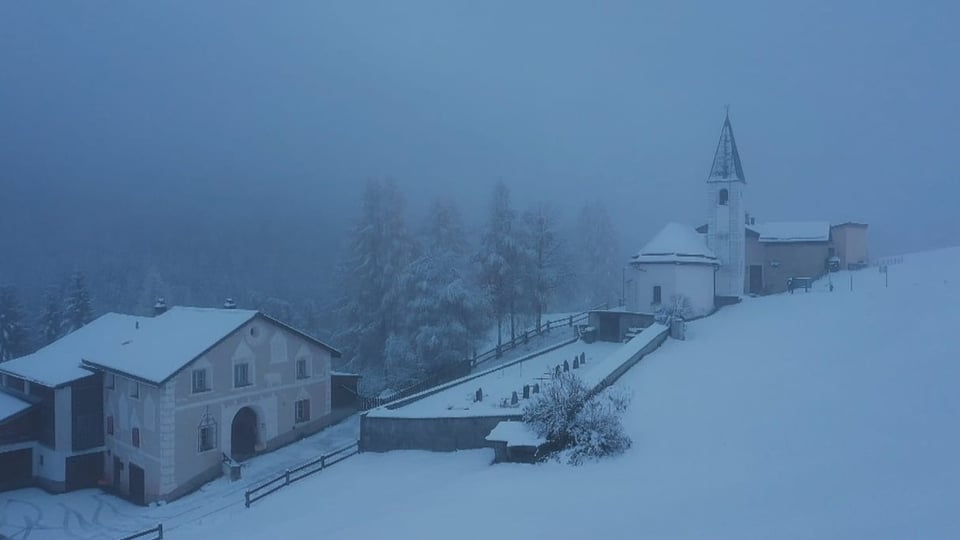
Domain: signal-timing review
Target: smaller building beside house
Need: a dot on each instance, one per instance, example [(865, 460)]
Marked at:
[(151, 407), (676, 262)]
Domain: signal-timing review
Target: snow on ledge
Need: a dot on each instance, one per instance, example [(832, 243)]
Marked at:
[(515, 434)]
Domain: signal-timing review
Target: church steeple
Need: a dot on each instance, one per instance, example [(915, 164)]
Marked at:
[(726, 161)]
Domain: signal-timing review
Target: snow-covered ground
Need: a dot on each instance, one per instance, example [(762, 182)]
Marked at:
[(91, 514), (812, 415)]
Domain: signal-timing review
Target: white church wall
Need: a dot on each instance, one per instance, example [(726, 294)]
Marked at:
[(696, 283)]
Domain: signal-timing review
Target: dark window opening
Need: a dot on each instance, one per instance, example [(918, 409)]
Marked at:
[(241, 375), (656, 294), (302, 369), (303, 410), (724, 196), (135, 437)]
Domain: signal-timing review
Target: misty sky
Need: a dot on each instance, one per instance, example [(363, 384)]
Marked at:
[(135, 116)]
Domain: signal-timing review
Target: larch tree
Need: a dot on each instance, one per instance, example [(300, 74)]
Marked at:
[(502, 261), (599, 260), (549, 267)]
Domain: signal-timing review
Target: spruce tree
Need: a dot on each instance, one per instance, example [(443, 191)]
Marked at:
[(599, 260), (51, 322), (14, 341), (549, 267), (379, 250), (78, 310), (442, 315)]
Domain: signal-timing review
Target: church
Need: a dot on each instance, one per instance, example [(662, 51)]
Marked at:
[(732, 255)]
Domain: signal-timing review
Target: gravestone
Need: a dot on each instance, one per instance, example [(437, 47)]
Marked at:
[(479, 395), (583, 358), (536, 388), (576, 362), (514, 399), (566, 366), (526, 391)]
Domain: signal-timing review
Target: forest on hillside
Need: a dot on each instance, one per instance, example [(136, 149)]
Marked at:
[(402, 297)]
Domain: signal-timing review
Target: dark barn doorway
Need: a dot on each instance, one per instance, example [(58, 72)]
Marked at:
[(137, 485), (756, 279), (243, 434)]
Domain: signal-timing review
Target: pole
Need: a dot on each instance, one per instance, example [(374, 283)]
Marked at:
[(623, 286), (851, 282)]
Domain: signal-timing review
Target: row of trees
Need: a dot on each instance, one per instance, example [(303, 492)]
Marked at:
[(66, 308), (414, 303)]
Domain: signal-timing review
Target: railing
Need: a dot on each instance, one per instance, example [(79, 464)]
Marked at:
[(158, 531), (290, 476), (463, 368)]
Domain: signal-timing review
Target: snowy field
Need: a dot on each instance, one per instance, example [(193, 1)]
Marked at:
[(813, 415)]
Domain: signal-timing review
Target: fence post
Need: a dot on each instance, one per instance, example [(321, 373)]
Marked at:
[(246, 498), (571, 320), (323, 462), (286, 477), (160, 530)]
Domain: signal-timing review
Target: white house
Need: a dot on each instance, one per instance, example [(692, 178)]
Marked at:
[(675, 262)]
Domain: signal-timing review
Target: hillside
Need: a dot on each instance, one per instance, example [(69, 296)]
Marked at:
[(813, 415)]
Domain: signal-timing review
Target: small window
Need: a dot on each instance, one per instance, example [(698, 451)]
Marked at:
[(656, 294), (254, 331), (134, 389), (302, 369), (302, 410), (135, 436), (724, 196), (207, 433), (241, 375), (200, 381), (110, 381), (110, 425), (207, 437)]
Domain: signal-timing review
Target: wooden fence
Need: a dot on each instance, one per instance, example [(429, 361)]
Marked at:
[(463, 368), (290, 476), (155, 533)]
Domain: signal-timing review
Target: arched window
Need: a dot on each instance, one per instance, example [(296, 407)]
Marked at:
[(724, 195)]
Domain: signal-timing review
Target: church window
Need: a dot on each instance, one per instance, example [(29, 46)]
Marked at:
[(724, 196)]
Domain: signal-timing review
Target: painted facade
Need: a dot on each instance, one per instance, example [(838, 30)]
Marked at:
[(186, 425)]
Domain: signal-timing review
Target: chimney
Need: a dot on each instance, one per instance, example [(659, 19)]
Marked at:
[(160, 307), (229, 304)]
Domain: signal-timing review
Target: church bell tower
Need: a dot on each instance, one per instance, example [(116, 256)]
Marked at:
[(726, 225)]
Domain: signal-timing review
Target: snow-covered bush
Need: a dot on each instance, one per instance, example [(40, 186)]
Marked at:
[(577, 424), (597, 430), (677, 307)]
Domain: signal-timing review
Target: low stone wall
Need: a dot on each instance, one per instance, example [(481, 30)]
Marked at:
[(382, 434), (447, 434)]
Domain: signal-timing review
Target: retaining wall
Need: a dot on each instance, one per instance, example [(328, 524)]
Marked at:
[(447, 434)]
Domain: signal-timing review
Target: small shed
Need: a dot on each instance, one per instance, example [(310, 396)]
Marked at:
[(515, 442), (343, 393), (617, 325)]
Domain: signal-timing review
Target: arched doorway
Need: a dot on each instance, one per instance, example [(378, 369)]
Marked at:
[(243, 434)]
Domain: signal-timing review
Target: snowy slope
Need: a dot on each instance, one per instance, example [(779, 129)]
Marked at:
[(813, 415)]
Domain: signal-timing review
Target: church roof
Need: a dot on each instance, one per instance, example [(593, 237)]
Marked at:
[(676, 243), (726, 161)]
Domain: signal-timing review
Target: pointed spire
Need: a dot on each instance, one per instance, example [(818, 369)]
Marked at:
[(726, 162)]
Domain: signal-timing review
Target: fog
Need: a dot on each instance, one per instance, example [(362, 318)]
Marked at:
[(238, 135)]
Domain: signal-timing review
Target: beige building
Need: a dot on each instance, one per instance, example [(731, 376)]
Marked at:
[(193, 386), (850, 244)]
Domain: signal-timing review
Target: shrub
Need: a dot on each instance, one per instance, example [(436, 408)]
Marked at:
[(574, 421)]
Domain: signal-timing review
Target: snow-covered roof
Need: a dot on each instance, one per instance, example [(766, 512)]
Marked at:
[(794, 231), (676, 243), (59, 363), (170, 341), (515, 434), (11, 406)]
